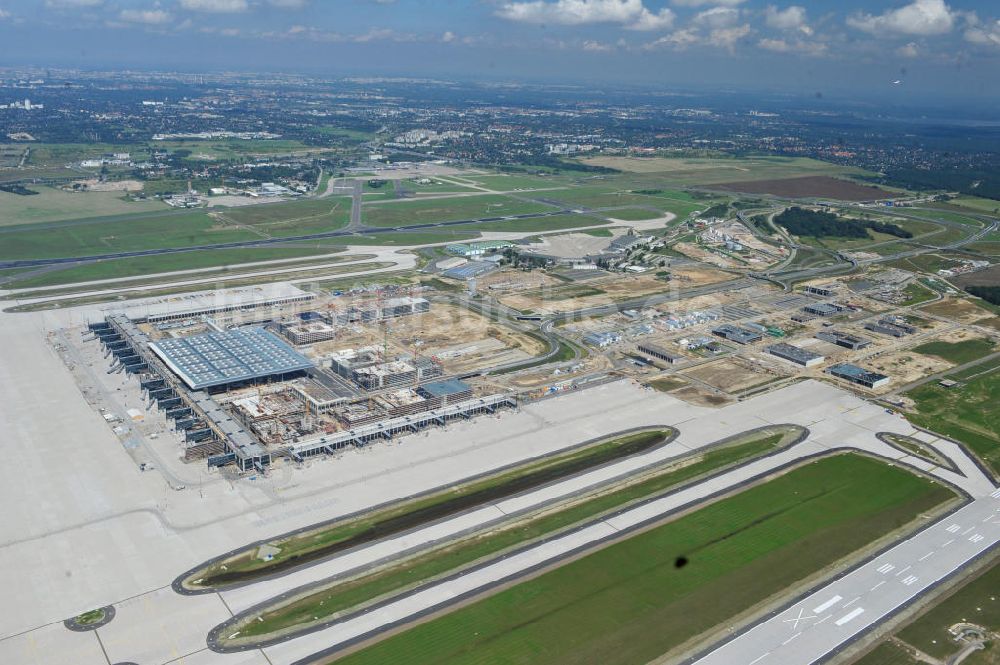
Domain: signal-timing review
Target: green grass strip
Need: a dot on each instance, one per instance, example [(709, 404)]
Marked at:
[(302, 548), (629, 603), (340, 596)]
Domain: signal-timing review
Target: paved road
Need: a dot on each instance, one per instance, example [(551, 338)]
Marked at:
[(817, 626)]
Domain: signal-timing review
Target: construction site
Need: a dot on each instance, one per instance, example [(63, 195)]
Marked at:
[(244, 388)]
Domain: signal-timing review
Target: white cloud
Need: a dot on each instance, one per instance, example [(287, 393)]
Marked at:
[(597, 47), (920, 17), (288, 4), (983, 35), (631, 14), (793, 46), (702, 3), (790, 19), (146, 16), (661, 20), (910, 50), (718, 17), (216, 6), (677, 40), (727, 38)]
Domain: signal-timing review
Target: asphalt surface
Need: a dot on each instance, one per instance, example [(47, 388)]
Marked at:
[(814, 628)]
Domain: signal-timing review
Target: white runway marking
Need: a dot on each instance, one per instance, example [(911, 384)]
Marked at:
[(759, 658), (953, 528), (926, 556), (947, 543), (851, 602), (887, 568), (828, 604), (790, 639), (850, 616), (878, 585), (976, 538), (903, 571)]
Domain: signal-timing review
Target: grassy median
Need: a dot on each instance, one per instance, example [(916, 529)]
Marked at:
[(630, 602), (326, 602), (307, 546)]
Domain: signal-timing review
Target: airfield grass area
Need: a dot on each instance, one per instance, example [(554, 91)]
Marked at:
[(129, 290), (310, 545), (539, 224), (419, 211), (722, 169), (323, 603), (987, 206), (53, 204), (977, 602), (958, 353), (966, 412), (631, 603), (887, 653), (161, 263), (181, 229), (291, 218)]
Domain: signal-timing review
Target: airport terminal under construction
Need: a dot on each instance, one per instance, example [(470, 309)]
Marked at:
[(241, 395)]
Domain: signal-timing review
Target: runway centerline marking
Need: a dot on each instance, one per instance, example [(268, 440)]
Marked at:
[(926, 556), (789, 640)]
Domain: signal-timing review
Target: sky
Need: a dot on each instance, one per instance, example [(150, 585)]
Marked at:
[(922, 47)]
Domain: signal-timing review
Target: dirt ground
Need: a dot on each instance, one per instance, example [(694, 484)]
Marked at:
[(463, 340), (698, 397), (960, 310), (95, 185), (907, 366), (728, 375), (516, 280), (614, 288), (698, 275), (699, 254), (545, 377), (809, 187)]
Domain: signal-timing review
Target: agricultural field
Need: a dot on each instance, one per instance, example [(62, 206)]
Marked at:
[(631, 602), (52, 204)]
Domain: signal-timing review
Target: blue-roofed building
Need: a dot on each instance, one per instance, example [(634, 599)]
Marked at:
[(229, 357), (470, 270), (445, 388), (858, 375)]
